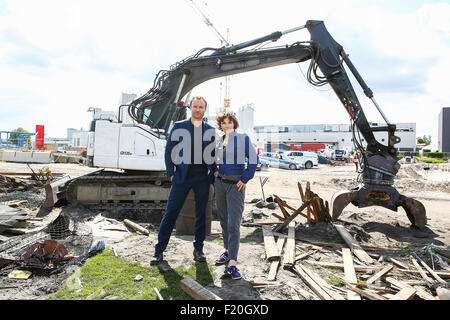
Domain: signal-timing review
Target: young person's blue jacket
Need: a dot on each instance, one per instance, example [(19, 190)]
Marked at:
[(240, 157)]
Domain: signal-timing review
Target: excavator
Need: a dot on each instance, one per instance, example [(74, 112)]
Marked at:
[(132, 145)]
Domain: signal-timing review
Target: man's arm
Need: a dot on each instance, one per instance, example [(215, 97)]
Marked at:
[(170, 166)]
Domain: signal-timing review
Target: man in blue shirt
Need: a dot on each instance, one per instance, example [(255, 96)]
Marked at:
[(189, 167)]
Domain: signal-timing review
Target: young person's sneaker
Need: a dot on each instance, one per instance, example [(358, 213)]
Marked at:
[(234, 272), (223, 258)]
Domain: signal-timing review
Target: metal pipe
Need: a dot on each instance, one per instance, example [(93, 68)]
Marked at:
[(379, 110), (180, 88), (293, 29)]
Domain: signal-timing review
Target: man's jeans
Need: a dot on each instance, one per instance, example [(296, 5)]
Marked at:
[(177, 195)]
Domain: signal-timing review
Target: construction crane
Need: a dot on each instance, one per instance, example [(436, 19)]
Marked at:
[(224, 42)]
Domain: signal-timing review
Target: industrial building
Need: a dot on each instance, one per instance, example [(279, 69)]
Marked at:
[(444, 130), (338, 136)]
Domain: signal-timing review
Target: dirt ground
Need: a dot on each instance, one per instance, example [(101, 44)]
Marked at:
[(372, 226)]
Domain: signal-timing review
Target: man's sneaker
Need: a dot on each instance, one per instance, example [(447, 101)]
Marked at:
[(234, 272), (223, 258), (199, 256), (157, 258)]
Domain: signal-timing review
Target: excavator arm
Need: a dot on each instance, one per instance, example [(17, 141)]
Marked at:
[(160, 107)]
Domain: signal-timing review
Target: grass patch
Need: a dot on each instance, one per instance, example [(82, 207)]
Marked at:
[(134, 234), (335, 281), (218, 240), (431, 160), (251, 236), (337, 239), (107, 277)]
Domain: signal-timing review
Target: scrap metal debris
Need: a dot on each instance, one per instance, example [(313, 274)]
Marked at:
[(45, 255)]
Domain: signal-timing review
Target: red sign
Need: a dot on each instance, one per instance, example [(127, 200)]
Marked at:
[(307, 147), (39, 137)]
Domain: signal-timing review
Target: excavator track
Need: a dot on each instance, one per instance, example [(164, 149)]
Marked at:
[(108, 190)]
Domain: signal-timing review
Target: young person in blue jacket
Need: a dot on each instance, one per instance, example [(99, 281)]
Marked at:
[(231, 179)]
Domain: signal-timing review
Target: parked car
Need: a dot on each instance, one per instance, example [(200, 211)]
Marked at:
[(280, 161), (308, 158), (262, 164), (324, 160)]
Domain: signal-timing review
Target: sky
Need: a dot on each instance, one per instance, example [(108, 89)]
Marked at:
[(58, 58)]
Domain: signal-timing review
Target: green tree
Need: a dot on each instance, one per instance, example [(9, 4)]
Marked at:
[(426, 140), (14, 137)]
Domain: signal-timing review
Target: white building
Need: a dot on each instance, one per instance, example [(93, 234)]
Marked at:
[(337, 135), (245, 117), (77, 138)]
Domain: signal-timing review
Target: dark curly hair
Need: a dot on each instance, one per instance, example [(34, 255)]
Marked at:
[(226, 114)]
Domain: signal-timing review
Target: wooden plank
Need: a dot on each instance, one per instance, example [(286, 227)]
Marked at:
[(365, 293), (279, 217), (341, 266), (420, 292), (322, 283), (442, 274), (354, 246), (431, 271), (136, 227), (289, 255), (350, 274), (281, 204), (274, 265), (304, 255), (196, 290), (269, 243), (420, 270), (379, 274), (300, 189), (399, 264), (323, 295), (404, 294), (260, 224)]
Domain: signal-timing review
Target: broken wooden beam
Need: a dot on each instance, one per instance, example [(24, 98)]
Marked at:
[(404, 294), (365, 293), (136, 227), (289, 255), (274, 264), (323, 295), (269, 244), (401, 285), (322, 283), (350, 274), (422, 273), (431, 271), (291, 217), (259, 224), (379, 274), (399, 264), (354, 246), (341, 266), (442, 274), (196, 290)]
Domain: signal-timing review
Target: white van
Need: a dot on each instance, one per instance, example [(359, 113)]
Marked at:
[(308, 158)]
